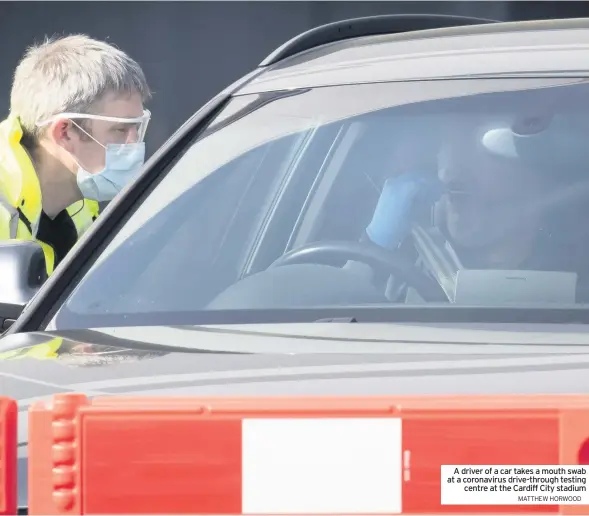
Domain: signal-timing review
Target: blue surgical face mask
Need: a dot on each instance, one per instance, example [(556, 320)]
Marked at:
[(123, 164)]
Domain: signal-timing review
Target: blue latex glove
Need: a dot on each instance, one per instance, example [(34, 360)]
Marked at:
[(393, 216)]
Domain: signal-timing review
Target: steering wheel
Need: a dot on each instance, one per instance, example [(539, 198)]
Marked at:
[(372, 255)]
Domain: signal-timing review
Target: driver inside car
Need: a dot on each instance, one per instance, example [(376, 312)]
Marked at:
[(494, 202)]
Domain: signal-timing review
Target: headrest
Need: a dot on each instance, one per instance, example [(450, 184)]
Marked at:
[(556, 143)]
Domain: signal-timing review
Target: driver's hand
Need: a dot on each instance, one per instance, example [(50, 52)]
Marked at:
[(393, 216)]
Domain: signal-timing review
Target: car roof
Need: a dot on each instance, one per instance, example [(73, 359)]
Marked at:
[(531, 48)]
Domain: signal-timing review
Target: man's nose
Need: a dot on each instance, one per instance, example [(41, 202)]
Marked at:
[(132, 135)]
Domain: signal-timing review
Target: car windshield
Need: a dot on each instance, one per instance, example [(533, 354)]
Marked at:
[(471, 192)]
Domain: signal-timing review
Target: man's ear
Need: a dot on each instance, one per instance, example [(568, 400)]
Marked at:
[(62, 133)]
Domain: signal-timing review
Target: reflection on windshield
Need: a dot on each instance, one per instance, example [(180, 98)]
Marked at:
[(473, 191), (79, 354)]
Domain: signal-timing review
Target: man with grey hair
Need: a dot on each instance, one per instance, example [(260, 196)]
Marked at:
[(74, 138)]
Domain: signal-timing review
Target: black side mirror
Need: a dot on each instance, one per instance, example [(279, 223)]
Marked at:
[(22, 272)]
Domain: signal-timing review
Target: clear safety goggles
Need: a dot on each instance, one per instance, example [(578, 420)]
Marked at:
[(140, 122)]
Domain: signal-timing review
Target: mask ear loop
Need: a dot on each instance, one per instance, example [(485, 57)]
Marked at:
[(87, 133), (77, 162), (139, 140)]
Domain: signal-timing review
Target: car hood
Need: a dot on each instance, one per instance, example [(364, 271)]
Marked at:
[(292, 359)]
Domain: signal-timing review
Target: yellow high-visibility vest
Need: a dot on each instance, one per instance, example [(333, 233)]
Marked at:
[(20, 194)]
